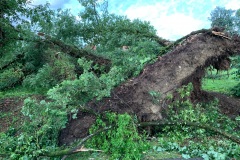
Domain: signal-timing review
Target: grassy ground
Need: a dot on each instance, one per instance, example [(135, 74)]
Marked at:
[(220, 82)]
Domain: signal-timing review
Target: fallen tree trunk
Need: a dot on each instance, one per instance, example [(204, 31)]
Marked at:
[(185, 63), (71, 50), (79, 53)]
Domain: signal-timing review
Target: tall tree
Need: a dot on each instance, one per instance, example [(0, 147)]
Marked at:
[(225, 18)]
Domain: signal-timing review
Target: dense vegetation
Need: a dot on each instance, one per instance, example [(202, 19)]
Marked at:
[(49, 59)]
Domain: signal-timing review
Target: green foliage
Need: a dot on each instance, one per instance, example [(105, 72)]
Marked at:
[(42, 79), (111, 31), (34, 58), (43, 120), (119, 31), (122, 141), (41, 18), (236, 90), (9, 77), (206, 148), (129, 64), (81, 90), (97, 27), (146, 48), (237, 20), (236, 64), (38, 133), (52, 73), (155, 96)]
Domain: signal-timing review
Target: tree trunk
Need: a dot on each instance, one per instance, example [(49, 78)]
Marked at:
[(1, 30)]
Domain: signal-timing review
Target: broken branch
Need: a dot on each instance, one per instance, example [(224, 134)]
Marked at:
[(192, 124)]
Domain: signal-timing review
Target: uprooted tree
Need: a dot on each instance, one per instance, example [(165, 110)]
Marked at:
[(186, 63), (86, 83)]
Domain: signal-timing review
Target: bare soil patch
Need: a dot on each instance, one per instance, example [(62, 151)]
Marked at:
[(9, 112)]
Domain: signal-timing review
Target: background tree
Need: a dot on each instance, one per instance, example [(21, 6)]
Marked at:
[(221, 17), (10, 20), (230, 21)]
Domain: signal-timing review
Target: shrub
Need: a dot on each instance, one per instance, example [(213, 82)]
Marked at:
[(236, 90), (236, 63), (122, 141)]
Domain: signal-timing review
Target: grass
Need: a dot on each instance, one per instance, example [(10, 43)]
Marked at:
[(221, 82)]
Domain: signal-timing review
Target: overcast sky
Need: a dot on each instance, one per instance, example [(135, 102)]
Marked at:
[(172, 18)]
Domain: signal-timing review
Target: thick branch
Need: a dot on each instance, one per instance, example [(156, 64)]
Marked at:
[(68, 151), (76, 149), (69, 49), (78, 53), (192, 124)]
